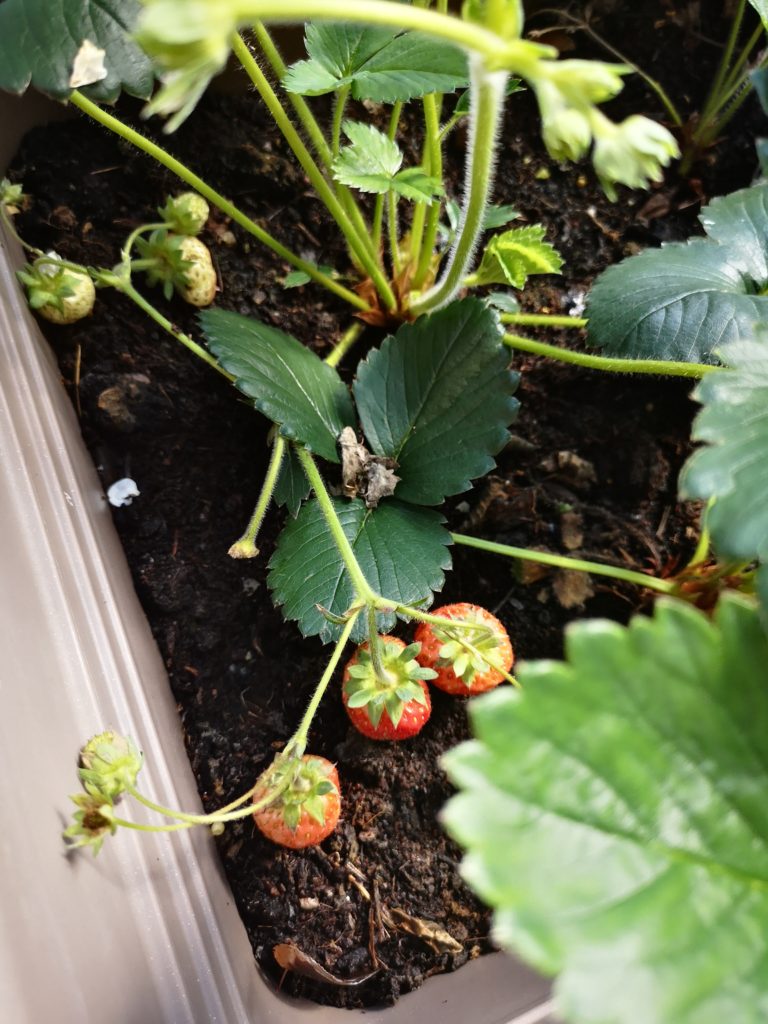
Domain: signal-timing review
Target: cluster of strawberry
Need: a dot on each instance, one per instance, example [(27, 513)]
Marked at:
[(172, 256), (386, 697)]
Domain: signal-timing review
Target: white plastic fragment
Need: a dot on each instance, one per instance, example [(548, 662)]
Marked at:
[(122, 492), (89, 65)]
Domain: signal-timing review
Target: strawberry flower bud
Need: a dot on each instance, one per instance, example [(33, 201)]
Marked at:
[(630, 153), (189, 41), (110, 764), (186, 214), (11, 196), (584, 82), (566, 130)]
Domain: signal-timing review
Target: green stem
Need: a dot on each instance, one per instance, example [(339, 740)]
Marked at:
[(394, 244), (378, 206), (127, 289), (434, 620), (125, 252), (346, 342), (11, 229), (543, 320), (124, 823), (167, 812), (245, 547), (658, 366), (724, 65), (299, 738), (468, 35), (374, 647), (564, 562), (299, 104), (182, 171), (357, 242), (487, 90), (434, 163), (339, 106), (701, 553), (359, 582)]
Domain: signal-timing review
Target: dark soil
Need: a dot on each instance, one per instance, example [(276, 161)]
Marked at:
[(591, 470)]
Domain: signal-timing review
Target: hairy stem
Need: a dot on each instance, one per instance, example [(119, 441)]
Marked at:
[(359, 244), (486, 107), (434, 162), (194, 181), (378, 206), (394, 244), (466, 34), (299, 738), (127, 289), (564, 562), (359, 582), (394, 120), (299, 104), (661, 367), (374, 646), (345, 343), (543, 320), (245, 546)]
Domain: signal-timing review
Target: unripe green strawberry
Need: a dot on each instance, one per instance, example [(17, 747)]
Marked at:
[(58, 294), (199, 277), (185, 214)]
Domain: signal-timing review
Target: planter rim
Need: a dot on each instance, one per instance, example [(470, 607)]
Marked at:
[(150, 927)]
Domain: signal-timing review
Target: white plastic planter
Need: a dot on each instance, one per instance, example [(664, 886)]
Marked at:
[(147, 933)]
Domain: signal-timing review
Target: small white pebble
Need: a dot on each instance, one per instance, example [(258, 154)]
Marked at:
[(122, 492), (578, 304)]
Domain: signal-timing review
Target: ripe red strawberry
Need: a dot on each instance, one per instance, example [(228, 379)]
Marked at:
[(308, 810), (394, 708), (465, 659)]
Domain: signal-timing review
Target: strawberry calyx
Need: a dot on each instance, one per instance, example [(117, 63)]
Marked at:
[(400, 685), (468, 652), (59, 292), (162, 252), (300, 785)]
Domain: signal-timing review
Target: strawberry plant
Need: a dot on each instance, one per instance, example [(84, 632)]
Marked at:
[(633, 760)]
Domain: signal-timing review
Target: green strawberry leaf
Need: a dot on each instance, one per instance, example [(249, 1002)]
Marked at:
[(377, 63), (437, 397), (615, 817), (297, 278), (412, 183), (511, 257), (685, 301), (761, 6), (292, 486), (40, 40), (733, 467), (372, 164), (402, 550), (498, 215), (287, 382)]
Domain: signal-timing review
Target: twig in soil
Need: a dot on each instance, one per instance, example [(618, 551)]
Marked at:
[(435, 936), (360, 887)]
